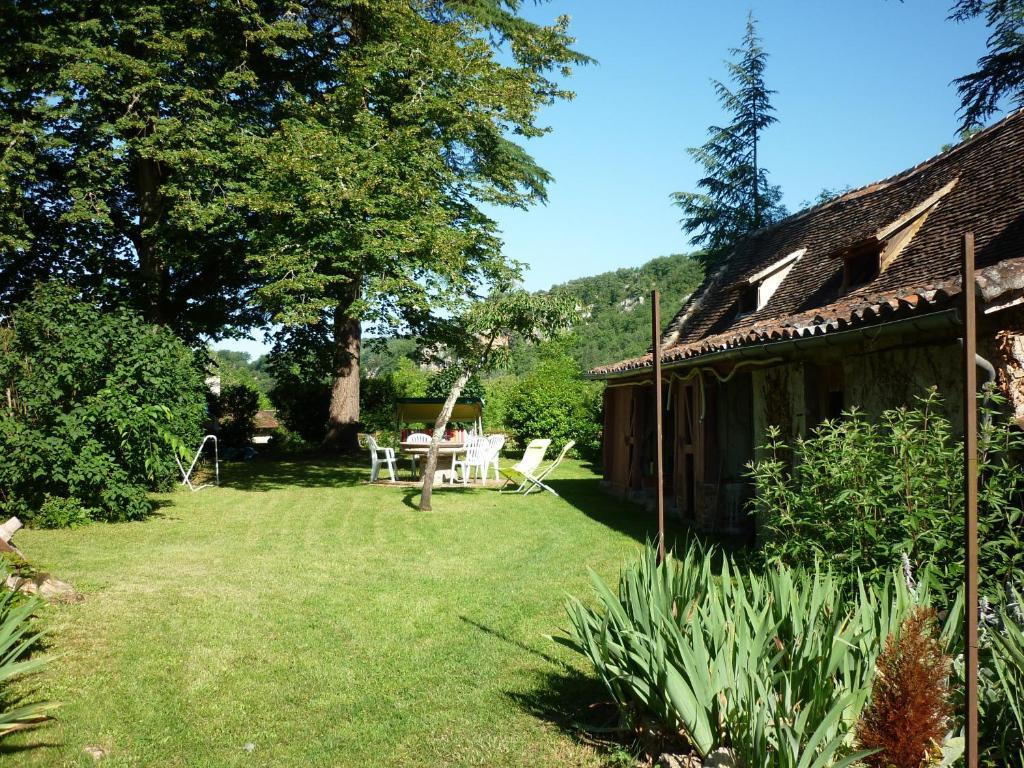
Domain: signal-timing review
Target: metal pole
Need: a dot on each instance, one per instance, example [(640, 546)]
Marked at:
[(970, 502), (660, 489)]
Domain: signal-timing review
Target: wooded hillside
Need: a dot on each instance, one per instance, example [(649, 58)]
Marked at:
[(617, 312)]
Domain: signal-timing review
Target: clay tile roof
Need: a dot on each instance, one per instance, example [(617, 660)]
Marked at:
[(976, 186)]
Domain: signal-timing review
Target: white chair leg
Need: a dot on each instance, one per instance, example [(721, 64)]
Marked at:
[(391, 469), (374, 470)]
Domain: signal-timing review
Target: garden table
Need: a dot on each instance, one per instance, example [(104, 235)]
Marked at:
[(447, 448)]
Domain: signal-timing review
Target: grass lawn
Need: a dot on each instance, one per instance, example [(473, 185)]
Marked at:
[(299, 617)]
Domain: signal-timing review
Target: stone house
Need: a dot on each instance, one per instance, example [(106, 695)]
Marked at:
[(852, 303)]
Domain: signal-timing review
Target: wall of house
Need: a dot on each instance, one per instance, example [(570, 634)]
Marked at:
[(796, 396), (877, 381), (778, 400)]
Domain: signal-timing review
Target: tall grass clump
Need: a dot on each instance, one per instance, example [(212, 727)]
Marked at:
[(18, 638), (775, 665), (1001, 686)]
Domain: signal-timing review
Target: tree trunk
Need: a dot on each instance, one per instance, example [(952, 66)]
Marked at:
[(152, 268), (343, 416), (435, 439)]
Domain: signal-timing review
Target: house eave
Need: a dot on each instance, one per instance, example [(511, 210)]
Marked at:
[(945, 319)]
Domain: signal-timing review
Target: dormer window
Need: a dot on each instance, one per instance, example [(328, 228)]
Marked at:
[(866, 260), (748, 299), (756, 291), (861, 266)]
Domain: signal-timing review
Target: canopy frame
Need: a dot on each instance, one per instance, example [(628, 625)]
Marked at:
[(425, 410)]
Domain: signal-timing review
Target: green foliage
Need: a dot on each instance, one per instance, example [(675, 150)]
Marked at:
[(616, 310), (234, 367), (1001, 692), (776, 665), (553, 401), (18, 638), (98, 404), (125, 159), (236, 408), (440, 384), (1000, 75), (57, 512), (736, 197), (497, 392), (377, 395), (284, 442), (300, 365), (897, 490)]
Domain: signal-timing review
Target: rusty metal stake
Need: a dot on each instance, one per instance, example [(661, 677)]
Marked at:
[(659, 465), (970, 502)]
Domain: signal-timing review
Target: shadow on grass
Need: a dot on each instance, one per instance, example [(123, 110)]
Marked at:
[(578, 705), (318, 472), (6, 748), (498, 634), (616, 513)]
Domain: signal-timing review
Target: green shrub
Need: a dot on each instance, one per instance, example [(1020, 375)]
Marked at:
[(440, 384), (284, 442), (553, 401), (300, 365), (96, 404), (859, 495), (497, 392), (57, 512), (776, 665), (236, 408), (377, 395)]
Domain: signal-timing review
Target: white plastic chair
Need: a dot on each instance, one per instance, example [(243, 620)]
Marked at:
[(526, 466), (417, 438), (475, 459), (495, 444), (380, 456)]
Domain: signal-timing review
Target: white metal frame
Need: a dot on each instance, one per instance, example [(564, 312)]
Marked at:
[(186, 476)]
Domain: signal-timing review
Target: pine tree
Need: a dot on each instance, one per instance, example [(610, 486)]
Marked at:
[(1000, 74), (736, 197)]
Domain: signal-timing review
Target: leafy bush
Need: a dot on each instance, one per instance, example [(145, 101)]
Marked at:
[(860, 495), (300, 365), (776, 666), (236, 408), (497, 392), (377, 394), (57, 512), (96, 404), (284, 442), (440, 384), (553, 401)]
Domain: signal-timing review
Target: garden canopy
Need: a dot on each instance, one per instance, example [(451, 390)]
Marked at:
[(424, 410)]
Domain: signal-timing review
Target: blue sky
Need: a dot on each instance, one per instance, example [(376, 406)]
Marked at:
[(863, 92)]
